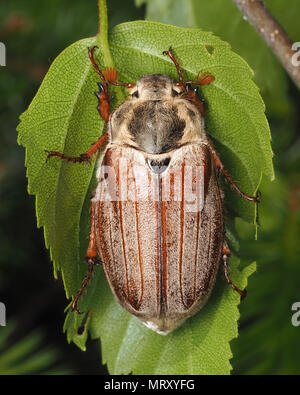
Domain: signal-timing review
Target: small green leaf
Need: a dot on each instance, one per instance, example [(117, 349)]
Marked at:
[(63, 117)]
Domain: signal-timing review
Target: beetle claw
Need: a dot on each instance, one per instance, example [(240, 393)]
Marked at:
[(257, 196), (243, 294), (86, 159), (74, 308), (49, 155), (94, 260)]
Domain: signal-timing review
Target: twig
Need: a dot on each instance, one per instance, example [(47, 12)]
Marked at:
[(102, 36), (103, 43), (276, 38)]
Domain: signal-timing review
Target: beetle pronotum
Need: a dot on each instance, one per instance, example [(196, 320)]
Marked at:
[(157, 220)]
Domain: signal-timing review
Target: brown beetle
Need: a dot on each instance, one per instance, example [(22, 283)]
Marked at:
[(157, 220)]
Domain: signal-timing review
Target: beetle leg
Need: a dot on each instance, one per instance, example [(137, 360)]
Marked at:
[(91, 259), (193, 96), (103, 104), (219, 165), (103, 95), (225, 256), (85, 157), (107, 76)]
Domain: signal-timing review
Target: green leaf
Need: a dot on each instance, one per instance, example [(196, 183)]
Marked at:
[(225, 19), (63, 117)]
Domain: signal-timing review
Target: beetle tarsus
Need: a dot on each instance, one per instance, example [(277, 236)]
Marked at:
[(82, 158), (103, 102), (91, 263), (74, 308), (226, 255), (257, 196), (91, 259), (220, 167)]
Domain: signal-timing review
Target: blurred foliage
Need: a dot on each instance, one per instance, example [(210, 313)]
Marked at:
[(27, 355), (268, 343), (35, 32)]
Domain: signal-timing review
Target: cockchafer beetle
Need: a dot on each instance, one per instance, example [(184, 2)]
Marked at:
[(157, 219)]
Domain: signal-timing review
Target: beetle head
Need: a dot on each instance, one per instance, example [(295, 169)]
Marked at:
[(155, 87)]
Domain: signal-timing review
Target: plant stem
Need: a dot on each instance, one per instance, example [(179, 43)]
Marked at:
[(103, 44), (273, 34), (102, 36)]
